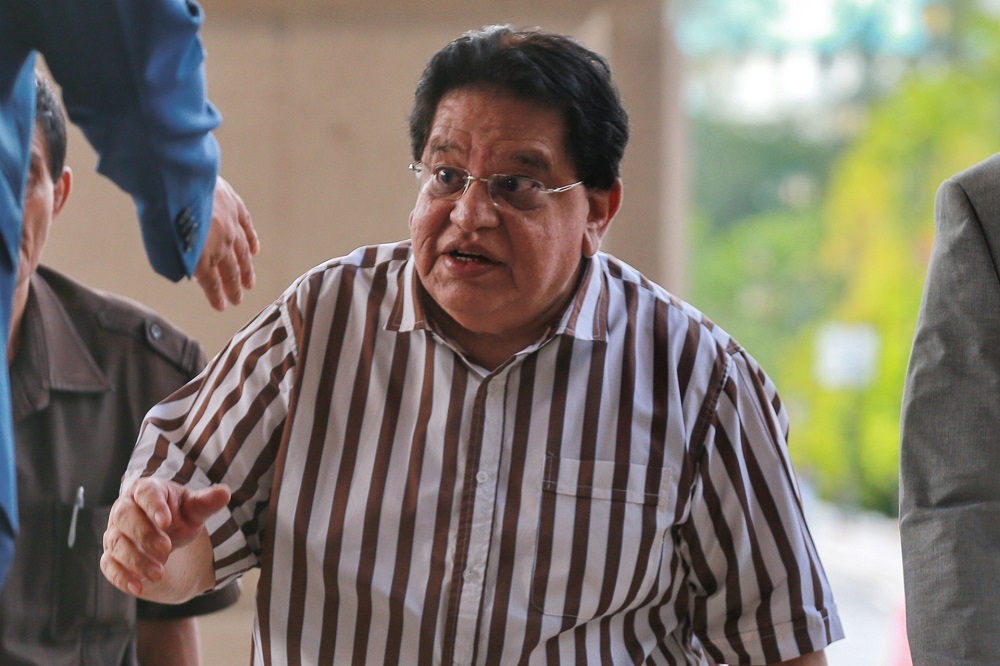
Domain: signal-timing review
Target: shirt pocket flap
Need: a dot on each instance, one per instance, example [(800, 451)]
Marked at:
[(606, 480)]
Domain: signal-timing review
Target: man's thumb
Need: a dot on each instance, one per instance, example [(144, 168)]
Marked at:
[(198, 505)]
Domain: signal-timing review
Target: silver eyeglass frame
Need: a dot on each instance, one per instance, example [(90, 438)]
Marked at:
[(418, 167)]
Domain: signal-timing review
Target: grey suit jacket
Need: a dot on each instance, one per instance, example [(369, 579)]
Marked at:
[(950, 457)]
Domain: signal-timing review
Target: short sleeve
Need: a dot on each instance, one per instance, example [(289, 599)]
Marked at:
[(759, 593)]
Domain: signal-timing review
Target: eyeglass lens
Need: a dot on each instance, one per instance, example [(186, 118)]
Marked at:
[(520, 192)]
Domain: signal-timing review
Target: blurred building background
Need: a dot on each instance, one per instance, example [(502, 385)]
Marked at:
[(781, 176)]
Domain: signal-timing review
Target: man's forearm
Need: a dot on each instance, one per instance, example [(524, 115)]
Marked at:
[(811, 659), (168, 642)]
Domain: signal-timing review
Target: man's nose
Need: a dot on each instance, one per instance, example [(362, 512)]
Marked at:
[(475, 209)]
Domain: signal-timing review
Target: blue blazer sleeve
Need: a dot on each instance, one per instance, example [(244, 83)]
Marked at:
[(132, 75)]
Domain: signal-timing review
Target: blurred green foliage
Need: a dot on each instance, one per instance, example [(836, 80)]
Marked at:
[(856, 252)]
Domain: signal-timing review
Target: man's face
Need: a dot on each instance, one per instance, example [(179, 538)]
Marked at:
[(494, 269), (43, 199)]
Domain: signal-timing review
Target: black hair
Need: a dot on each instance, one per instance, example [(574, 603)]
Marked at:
[(50, 120), (541, 67)]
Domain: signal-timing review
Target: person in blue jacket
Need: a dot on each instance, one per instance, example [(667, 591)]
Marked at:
[(132, 78)]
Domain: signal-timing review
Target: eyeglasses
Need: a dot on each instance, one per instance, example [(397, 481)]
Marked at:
[(449, 182)]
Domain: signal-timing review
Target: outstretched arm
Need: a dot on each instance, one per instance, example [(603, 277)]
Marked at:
[(132, 77), (156, 546)]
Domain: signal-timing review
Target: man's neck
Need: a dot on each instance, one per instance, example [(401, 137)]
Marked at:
[(21, 292), (487, 350)]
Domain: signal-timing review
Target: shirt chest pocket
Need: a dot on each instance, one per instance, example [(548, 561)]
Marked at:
[(600, 538)]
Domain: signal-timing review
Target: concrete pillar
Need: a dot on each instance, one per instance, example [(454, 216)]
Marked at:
[(650, 231)]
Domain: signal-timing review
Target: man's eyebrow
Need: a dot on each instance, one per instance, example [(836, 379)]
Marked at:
[(532, 160), (444, 147), (535, 160)]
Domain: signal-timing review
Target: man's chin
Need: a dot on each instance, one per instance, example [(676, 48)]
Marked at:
[(474, 313)]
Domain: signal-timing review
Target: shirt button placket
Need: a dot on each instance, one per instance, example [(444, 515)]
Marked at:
[(474, 575)]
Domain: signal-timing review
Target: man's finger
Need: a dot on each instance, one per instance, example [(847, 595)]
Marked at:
[(152, 497), (131, 557), (249, 232), (208, 279), (119, 576), (230, 279), (245, 249), (199, 505), (130, 527)]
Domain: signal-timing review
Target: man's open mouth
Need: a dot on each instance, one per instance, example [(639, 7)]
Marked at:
[(470, 257)]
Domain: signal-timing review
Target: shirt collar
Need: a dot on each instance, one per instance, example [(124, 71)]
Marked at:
[(407, 312), (52, 355), (586, 317)]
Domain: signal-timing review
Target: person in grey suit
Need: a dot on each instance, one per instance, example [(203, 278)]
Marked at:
[(950, 455)]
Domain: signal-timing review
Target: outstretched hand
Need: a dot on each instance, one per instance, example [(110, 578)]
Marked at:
[(225, 267), (154, 520)]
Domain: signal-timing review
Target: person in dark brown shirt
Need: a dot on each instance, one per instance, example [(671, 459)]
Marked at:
[(85, 367)]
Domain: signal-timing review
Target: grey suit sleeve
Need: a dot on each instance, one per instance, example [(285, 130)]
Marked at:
[(950, 457)]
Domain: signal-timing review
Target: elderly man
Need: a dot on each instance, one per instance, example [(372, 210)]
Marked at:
[(84, 367), (490, 443)]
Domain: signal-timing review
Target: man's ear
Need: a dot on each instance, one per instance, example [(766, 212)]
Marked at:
[(61, 189), (604, 205)]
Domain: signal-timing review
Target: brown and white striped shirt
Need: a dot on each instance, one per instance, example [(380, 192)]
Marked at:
[(618, 492)]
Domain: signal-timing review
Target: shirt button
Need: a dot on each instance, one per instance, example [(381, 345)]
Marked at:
[(155, 331), (482, 477), (470, 574)]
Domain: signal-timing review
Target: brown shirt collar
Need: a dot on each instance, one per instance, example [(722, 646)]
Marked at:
[(52, 355)]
